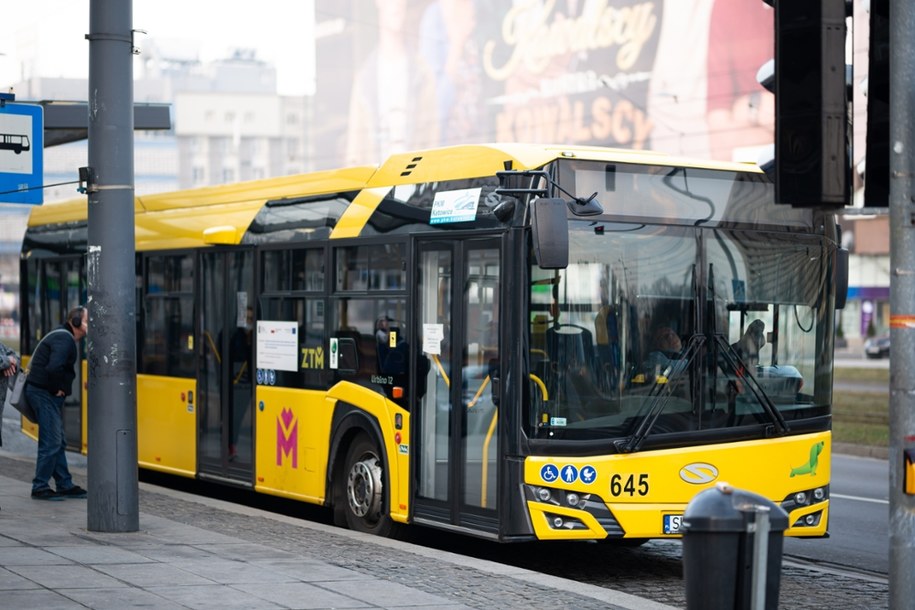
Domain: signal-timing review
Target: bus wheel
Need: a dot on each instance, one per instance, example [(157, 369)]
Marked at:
[(362, 490)]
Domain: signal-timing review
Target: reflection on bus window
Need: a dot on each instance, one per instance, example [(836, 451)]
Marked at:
[(635, 326)]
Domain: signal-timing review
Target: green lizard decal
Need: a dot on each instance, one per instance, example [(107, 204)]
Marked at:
[(811, 466)]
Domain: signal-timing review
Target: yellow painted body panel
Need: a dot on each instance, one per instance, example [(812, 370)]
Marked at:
[(294, 435), (190, 227), (167, 424), (774, 468), (293, 442), (398, 454), (542, 513), (359, 212), (29, 429), (189, 219)]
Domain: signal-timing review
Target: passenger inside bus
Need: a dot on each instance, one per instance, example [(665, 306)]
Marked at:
[(750, 344), (665, 354)]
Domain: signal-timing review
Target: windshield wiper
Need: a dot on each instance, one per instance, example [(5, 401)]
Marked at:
[(657, 397), (742, 370)]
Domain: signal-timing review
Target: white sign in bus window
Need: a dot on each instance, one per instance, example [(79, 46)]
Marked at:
[(277, 345), (455, 206), (432, 338)]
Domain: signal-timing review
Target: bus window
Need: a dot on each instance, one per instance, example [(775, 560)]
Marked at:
[(374, 334), (293, 270), (308, 313), (167, 346), (376, 267)]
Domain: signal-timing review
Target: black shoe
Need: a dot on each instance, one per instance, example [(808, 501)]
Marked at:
[(47, 494), (73, 492)]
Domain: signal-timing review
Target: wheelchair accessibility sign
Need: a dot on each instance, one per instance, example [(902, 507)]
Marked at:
[(550, 473)]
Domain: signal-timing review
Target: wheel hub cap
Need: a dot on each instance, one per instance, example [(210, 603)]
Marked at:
[(363, 488)]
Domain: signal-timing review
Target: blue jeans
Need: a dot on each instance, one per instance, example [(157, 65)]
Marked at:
[(52, 444)]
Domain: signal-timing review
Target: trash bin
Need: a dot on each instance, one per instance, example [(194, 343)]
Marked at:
[(725, 563)]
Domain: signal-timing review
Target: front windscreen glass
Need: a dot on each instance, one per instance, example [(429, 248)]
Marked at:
[(663, 329)]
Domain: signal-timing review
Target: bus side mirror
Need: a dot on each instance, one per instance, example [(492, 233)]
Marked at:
[(550, 226), (841, 277)]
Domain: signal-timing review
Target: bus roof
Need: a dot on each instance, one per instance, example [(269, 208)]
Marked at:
[(177, 219)]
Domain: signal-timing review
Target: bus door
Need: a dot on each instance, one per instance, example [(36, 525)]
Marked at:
[(225, 389), (455, 432), (65, 290)]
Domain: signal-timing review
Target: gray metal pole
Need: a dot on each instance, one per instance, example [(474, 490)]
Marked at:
[(112, 442), (902, 297)]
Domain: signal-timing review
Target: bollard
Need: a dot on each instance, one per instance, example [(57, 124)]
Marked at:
[(732, 550)]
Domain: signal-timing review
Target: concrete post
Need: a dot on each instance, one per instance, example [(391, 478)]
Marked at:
[(112, 442), (902, 298)]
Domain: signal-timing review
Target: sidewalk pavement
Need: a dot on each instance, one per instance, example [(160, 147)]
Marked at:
[(194, 552)]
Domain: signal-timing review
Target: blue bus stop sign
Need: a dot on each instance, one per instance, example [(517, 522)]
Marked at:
[(21, 153)]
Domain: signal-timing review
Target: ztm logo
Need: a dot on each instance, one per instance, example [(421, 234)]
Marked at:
[(287, 438), (312, 358)]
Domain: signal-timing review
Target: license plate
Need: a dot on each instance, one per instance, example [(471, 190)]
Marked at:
[(672, 524)]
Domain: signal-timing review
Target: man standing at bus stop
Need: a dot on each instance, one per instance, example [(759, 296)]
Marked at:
[(50, 381)]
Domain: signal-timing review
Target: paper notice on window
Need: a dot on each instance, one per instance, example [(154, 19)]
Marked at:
[(432, 338), (277, 345)]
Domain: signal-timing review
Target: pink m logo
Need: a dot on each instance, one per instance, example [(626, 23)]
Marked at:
[(287, 438)]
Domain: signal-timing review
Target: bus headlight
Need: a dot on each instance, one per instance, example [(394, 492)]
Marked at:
[(543, 494), (572, 499), (806, 497)]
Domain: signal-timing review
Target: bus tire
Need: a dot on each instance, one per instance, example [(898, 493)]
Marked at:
[(361, 493)]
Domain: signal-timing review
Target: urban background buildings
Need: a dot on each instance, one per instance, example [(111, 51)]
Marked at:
[(394, 75)]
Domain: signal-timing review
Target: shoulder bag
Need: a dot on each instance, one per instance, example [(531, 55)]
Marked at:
[(15, 396), (15, 393)]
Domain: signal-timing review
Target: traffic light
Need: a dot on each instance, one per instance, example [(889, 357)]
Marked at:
[(812, 132), (877, 155)]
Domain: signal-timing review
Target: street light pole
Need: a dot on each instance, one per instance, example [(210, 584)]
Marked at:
[(902, 299), (112, 441)]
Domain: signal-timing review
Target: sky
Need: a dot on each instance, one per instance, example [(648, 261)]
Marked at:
[(46, 38)]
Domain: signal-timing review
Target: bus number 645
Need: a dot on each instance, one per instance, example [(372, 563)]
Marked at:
[(618, 487)]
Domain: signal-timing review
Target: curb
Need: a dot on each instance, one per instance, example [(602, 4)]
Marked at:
[(881, 453)]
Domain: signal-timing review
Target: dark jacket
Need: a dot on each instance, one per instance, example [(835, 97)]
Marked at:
[(52, 365)]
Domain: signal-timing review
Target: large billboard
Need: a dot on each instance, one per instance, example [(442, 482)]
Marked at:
[(677, 76)]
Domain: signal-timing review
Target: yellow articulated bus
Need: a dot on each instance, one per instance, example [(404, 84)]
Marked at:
[(517, 342)]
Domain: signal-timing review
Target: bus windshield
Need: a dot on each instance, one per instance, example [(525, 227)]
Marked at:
[(677, 330)]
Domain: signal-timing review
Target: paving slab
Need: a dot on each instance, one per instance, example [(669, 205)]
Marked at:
[(193, 552)]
